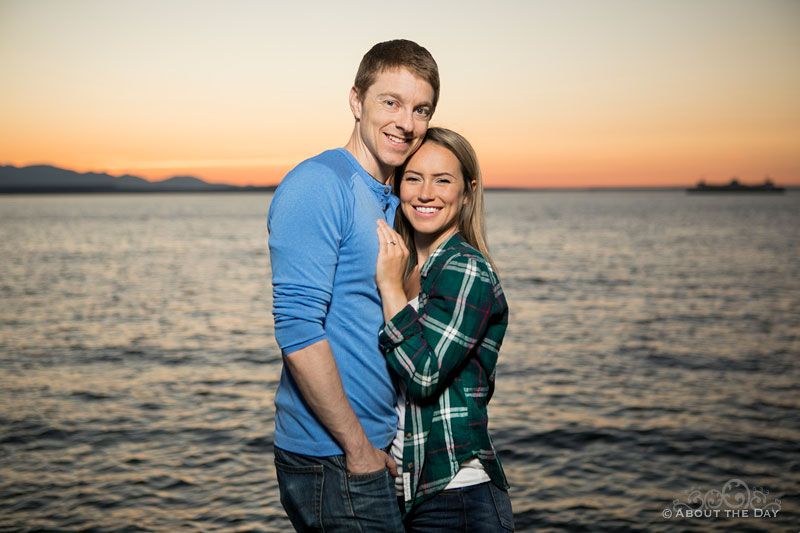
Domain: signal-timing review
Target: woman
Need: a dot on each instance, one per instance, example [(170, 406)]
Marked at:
[(444, 353)]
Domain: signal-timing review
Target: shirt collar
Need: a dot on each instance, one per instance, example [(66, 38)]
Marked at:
[(452, 240), (382, 192)]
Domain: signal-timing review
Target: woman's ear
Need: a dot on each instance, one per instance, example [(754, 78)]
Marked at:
[(468, 197)]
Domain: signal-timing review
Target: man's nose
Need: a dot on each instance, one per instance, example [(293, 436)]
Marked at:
[(406, 119)]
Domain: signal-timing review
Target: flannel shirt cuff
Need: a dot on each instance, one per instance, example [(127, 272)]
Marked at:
[(403, 325)]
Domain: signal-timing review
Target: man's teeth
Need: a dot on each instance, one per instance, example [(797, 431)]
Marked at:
[(395, 139), (427, 209)]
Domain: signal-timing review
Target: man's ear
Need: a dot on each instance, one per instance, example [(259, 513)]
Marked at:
[(355, 103)]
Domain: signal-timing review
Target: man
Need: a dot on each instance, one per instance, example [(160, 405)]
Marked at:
[(334, 409)]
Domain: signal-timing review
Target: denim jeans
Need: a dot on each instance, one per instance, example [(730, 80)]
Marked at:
[(483, 508), (319, 494)]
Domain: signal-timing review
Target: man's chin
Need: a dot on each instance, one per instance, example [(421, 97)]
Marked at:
[(402, 157), (396, 161)]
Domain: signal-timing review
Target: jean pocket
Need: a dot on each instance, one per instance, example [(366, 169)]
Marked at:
[(369, 476), (373, 501), (301, 494), (503, 505)]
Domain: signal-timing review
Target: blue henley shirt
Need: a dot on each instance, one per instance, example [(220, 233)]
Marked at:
[(323, 248)]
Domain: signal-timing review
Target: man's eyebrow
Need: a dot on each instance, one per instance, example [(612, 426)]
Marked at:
[(397, 97)]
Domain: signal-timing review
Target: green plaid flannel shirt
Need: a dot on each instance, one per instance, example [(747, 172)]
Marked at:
[(446, 355)]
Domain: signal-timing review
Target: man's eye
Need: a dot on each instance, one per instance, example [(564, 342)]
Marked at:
[(422, 111), (391, 103)]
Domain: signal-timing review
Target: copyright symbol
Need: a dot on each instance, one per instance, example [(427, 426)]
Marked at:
[(667, 513)]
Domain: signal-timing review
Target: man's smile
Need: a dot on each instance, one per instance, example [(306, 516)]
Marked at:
[(396, 139)]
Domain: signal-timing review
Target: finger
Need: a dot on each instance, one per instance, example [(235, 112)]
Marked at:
[(387, 227), (383, 239), (391, 464), (393, 234), (401, 244), (387, 235), (381, 244)]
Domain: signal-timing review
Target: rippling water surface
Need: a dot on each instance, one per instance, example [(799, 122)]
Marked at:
[(653, 351)]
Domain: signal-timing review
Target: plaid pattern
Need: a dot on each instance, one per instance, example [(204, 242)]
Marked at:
[(446, 356)]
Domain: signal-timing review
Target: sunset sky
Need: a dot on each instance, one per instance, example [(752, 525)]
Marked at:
[(551, 93)]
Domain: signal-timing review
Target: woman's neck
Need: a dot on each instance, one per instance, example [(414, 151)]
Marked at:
[(426, 244)]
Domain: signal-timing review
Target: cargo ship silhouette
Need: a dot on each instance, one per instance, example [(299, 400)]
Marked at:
[(734, 186)]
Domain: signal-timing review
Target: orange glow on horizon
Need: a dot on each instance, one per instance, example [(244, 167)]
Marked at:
[(660, 94), (552, 174)]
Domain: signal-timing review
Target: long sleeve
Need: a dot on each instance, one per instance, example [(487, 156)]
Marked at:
[(465, 312), (307, 219)]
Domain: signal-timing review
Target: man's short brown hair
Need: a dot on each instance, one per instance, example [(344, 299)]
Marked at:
[(399, 53)]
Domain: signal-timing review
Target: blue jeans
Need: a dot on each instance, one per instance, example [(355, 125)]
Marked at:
[(318, 493), (483, 508)]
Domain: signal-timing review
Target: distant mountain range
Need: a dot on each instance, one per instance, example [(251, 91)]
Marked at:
[(49, 179)]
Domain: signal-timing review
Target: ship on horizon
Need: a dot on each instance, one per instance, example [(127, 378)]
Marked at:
[(736, 187)]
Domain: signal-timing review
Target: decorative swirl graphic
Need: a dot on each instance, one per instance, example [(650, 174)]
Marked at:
[(773, 507), (713, 500), (759, 498), (735, 494)]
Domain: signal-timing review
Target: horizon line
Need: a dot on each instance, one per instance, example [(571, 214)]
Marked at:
[(496, 188)]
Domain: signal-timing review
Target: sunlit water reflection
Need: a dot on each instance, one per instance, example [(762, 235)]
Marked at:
[(653, 349)]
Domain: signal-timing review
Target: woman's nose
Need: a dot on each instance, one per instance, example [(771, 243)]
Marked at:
[(426, 192)]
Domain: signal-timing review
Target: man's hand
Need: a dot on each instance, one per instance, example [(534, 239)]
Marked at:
[(367, 458), (314, 370)]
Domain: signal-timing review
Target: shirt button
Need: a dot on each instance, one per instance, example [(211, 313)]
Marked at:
[(408, 435), (410, 466), (387, 190)]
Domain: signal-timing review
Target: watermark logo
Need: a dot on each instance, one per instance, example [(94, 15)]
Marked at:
[(735, 500)]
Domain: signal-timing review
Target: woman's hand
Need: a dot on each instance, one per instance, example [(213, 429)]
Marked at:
[(390, 270), (392, 258)]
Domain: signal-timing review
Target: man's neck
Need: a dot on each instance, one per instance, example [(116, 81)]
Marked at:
[(380, 173)]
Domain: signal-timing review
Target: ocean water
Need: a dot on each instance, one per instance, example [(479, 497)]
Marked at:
[(648, 380)]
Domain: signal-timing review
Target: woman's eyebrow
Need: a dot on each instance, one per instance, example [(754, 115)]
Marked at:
[(435, 175)]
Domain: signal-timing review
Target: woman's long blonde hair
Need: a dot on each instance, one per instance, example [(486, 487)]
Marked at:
[(472, 218)]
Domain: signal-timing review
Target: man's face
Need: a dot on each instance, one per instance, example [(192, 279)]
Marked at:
[(393, 118)]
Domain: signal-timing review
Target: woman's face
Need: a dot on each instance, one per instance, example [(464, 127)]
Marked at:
[(432, 191)]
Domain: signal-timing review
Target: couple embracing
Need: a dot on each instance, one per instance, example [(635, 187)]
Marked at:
[(389, 316)]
